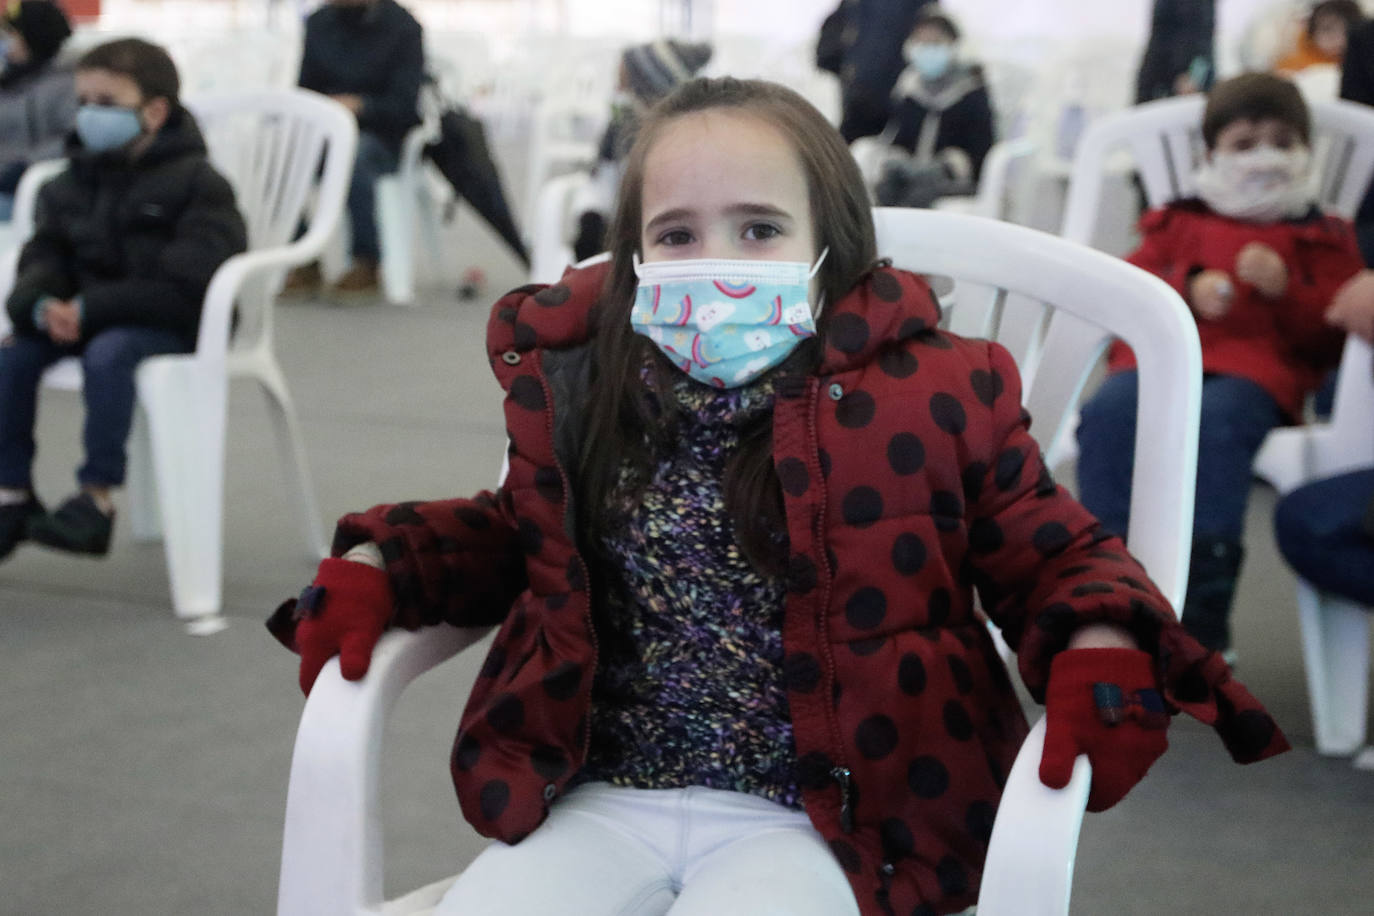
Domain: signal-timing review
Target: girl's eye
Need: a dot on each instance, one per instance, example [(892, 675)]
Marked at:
[(759, 232), (1241, 146), (675, 237)]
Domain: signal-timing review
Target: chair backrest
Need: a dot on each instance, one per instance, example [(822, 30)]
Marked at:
[(1058, 304), (282, 150), (1164, 139)]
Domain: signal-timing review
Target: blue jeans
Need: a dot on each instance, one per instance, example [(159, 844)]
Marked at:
[(1320, 532), (6, 207), (374, 159), (108, 360), (1236, 416)]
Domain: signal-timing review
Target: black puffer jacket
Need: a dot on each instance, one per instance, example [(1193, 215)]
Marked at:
[(137, 240)]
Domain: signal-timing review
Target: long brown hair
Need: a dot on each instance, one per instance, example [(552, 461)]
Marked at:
[(623, 426)]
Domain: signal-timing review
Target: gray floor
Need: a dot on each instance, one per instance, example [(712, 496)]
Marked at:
[(144, 771)]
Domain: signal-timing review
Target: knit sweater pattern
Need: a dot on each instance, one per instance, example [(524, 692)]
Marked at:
[(689, 690)]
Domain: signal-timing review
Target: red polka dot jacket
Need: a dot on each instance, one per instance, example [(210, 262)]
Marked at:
[(909, 479)]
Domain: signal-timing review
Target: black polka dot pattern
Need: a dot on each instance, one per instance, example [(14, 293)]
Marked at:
[(862, 507), (793, 476), (948, 413), (866, 608), (876, 737), (848, 333), (855, 410), (906, 454), (553, 295)]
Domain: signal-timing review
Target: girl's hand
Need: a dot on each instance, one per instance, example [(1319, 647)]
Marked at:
[(1103, 703), (1210, 293), (343, 612), (1261, 267), (1352, 308)]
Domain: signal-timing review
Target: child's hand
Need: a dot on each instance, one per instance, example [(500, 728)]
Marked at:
[(1352, 308), (63, 320), (343, 612), (1261, 267), (1103, 703), (1211, 292)]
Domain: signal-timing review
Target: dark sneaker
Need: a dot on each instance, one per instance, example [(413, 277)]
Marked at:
[(14, 523), (78, 526)]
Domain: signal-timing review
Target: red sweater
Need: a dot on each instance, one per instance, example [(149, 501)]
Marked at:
[(909, 478), (1283, 345)]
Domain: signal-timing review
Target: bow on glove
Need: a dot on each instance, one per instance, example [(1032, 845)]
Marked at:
[(343, 612), (1103, 703)]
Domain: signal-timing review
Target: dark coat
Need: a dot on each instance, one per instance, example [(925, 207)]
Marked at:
[(1181, 32), (1357, 85), (871, 36), (381, 57), (137, 240), (908, 478), (959, 105), (1284, 346)]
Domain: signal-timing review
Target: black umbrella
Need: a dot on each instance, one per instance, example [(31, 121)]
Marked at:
[(462, 155)]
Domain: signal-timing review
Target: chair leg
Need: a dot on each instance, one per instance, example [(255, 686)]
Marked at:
[(396, 235), (185, 406), (144, 521), (1335, 642), (291, 449)]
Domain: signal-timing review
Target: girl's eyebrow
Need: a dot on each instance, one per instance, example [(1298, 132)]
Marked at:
[(677, 214)]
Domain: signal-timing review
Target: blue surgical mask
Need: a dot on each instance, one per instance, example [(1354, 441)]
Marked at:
[(725, 322), (931, 60), (106, 127)]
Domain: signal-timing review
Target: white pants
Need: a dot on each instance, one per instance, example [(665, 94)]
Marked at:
[(611, 851)]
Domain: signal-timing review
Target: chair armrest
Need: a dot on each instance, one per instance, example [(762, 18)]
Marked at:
[(1029, 868), (228, 282), (332, 842)]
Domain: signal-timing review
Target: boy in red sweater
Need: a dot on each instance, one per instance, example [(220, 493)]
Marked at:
[(1259, 264)]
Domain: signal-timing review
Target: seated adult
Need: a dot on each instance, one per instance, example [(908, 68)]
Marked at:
[(369, 56), (1325, 530), (940, 124), (37, 98)]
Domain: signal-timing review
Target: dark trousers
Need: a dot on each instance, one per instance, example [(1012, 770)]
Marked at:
[(108, 360), (1320, 528), (375, 158), (1236, 416)]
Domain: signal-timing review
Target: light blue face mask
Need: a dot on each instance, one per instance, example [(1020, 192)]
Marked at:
[(106, 127), (931, 60), (725, 322)]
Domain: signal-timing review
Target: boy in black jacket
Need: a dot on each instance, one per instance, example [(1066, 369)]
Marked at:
[(124, 246)]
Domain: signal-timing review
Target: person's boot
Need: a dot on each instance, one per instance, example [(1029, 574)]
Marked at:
[(303, 281), (360, 281), (78, 526), (1212, 576), (14, 523)]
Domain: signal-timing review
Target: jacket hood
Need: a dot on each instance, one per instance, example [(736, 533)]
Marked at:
[(887, 305), (938, 95), (180, 136)]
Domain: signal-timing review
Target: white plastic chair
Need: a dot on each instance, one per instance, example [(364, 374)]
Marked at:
[(405, 204), (332, 856), (1335, 631), (550, 252), (270, 144)]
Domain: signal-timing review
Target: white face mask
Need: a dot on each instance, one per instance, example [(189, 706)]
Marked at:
[(1261, 185)]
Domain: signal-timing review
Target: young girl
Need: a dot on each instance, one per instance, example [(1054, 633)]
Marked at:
[(1259, 265), (751, 487)]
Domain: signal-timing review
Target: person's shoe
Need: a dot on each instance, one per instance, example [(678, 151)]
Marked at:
[(78, 526), (303, 281), (14, 523), (360, 281)]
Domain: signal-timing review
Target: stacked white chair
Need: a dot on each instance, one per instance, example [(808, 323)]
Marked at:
[(332, 855), (270, 144)]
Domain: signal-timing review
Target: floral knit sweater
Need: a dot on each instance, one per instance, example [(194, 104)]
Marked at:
[(689, 690)]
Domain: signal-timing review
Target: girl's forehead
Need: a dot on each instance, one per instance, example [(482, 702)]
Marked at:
[(718, 150)]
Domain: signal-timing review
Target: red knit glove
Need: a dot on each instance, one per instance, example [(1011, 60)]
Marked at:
[(1103, 703), (343, 612)]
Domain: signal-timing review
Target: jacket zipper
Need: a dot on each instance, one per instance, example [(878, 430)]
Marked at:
[(843, 776), (577, 553)]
